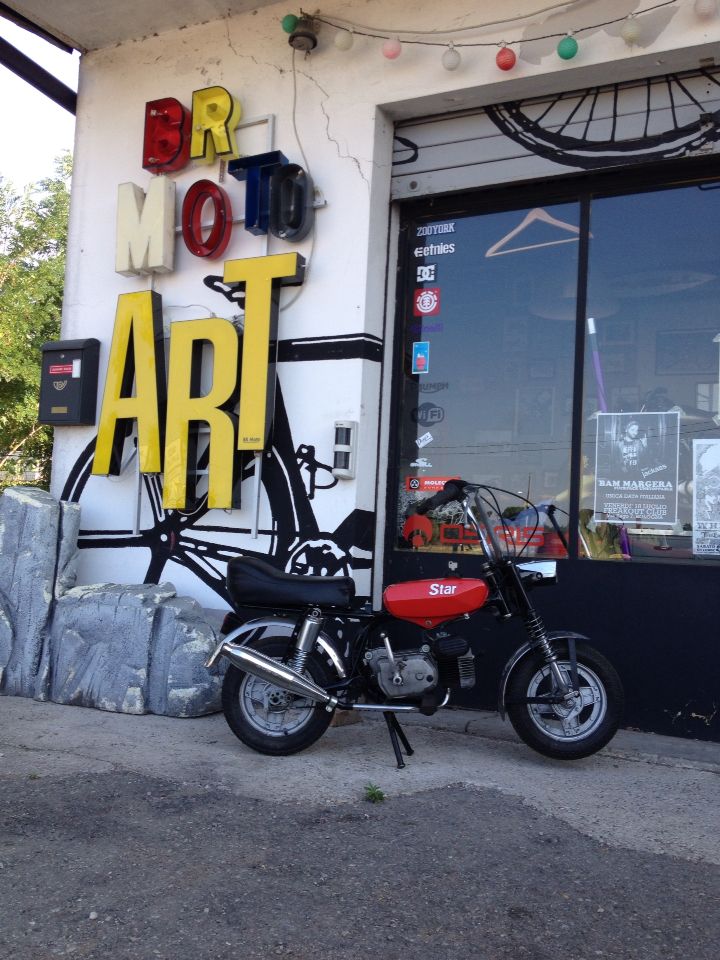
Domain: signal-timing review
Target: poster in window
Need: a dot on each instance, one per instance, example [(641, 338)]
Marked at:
[(636, 468), (706, 498)]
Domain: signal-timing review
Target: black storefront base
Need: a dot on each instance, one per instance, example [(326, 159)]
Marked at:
[(658, 623)]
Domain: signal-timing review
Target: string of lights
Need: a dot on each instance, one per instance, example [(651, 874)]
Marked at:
[(302, 32), (396, 32)]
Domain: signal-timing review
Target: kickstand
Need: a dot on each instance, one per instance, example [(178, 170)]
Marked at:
[(396, 731)]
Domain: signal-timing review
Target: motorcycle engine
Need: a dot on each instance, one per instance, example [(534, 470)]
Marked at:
[(407, 674), (448, 663)]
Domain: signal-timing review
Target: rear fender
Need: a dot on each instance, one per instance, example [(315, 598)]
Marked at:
[(521, 653), (276, 627)]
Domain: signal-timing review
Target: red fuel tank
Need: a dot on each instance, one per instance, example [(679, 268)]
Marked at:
[(431, 602)]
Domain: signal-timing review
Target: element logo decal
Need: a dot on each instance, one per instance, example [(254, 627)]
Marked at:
[(427, 302)]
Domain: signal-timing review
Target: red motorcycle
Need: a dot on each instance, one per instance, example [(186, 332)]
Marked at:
[(287, 675)]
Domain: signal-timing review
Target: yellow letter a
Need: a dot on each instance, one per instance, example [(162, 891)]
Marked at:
[(137, 337)]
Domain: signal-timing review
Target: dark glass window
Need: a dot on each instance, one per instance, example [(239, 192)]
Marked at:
[(493, 304), (650, 443)]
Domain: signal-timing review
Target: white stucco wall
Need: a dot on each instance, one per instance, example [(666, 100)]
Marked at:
[(345, 105)]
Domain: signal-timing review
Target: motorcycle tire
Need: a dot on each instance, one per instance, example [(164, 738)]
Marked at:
[(271, 720), (558, 730)]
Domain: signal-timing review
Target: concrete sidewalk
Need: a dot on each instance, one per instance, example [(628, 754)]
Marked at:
[(646, 792), (627, 744), (147, 837)]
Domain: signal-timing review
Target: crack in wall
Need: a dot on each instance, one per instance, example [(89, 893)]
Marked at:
[(331, 139), (248, 56)]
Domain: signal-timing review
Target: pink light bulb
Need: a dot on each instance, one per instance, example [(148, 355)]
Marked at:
[(392, 49)]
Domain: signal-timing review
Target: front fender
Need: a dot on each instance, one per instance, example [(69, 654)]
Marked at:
[(522, 652), (278, 627)]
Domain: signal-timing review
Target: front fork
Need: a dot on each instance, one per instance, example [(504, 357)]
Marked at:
[(565, 637), (538, 637), (539, 640)]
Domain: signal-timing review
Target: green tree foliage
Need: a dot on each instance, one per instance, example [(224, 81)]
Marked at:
[(33, 240)]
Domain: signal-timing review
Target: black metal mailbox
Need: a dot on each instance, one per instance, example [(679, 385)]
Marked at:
[(68, 382)]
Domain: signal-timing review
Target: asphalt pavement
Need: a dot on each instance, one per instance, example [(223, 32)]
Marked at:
[(144, 837)]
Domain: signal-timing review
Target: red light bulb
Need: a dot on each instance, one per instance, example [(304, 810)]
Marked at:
[(505, 58)]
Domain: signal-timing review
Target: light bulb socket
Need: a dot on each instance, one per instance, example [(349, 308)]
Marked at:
[(304, 36)]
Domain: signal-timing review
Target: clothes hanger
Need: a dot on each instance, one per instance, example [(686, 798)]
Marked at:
[(538, 213)]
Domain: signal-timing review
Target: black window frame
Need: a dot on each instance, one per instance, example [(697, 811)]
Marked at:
[(582, 188)]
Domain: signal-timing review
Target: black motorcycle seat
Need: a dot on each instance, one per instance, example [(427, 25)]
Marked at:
[(254, 583)]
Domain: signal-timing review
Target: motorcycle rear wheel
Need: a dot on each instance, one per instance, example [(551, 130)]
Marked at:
[(566, 731), (271, 720)]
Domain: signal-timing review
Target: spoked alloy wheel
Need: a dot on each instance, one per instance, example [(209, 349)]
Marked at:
[(568, 730), (267, 718)]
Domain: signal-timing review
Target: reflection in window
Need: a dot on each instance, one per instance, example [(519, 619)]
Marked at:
[(489, 323), (489, 329), (650, 410)]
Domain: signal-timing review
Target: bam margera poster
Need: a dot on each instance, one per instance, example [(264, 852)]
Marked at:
[(706, 498), (636, 468)]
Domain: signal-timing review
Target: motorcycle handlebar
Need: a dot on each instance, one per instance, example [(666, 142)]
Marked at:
[(453, 490)]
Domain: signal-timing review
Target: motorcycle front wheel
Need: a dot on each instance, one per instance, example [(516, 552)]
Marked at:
[(572, 730), (271, 720)]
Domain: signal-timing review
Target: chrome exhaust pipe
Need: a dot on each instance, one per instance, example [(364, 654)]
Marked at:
[(278, 674)]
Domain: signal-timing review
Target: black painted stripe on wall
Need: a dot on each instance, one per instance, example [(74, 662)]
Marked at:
[(352, 346)]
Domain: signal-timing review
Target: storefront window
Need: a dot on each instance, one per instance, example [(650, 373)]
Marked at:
[(489, 339), (492, 306), (651, 443)]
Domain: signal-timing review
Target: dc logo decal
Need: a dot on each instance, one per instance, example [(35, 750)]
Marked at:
[(427, 302), (426, 274)]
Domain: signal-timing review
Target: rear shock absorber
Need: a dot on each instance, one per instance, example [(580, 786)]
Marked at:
[(307, 635)]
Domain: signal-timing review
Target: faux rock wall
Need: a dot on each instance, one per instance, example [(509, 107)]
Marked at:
[(131, 649)]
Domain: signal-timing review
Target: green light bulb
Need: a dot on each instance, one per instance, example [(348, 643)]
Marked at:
[(567, 48)]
